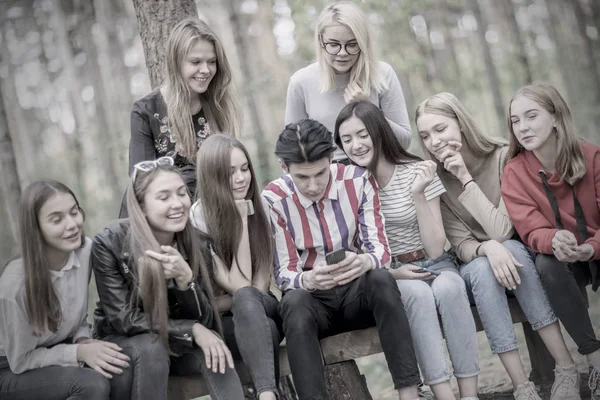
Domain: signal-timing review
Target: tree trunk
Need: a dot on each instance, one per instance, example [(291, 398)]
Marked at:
[(104, 128), (448, 22), (595, 6), (510, 12), (17, 119), (562, 55), (242, 45), (490, 68), (69, 75), (11, 187), (594, 75), (156, 19)]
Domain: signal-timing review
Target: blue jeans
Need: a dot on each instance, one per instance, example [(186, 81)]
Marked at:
[(492, 304), (448, 295)]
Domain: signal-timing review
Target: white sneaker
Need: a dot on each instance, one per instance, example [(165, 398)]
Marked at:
[(566, 384), (526, 391), (594, 383)]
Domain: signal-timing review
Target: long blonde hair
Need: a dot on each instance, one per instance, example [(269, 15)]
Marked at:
[(570, 163), (219, 102), (447, 105), (366, 71), (148, 271)]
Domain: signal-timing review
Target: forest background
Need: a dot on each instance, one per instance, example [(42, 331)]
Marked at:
[(70, 71)]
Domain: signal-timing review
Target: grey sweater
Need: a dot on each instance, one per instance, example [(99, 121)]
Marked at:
[(18, 344), (305, 100)]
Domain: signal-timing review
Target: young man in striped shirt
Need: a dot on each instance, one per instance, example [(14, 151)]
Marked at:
[(316, 209)]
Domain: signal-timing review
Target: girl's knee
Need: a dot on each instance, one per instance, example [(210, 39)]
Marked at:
[(146, 348), (247, 300), (416, 294), (448, 286)]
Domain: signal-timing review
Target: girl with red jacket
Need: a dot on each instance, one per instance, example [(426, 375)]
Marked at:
[(551, 188)]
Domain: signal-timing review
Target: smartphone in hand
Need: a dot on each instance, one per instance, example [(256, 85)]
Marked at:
[(335, 256), (427, 270)]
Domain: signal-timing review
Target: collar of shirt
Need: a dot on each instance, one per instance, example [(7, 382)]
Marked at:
[(331, 193), (73, 262)]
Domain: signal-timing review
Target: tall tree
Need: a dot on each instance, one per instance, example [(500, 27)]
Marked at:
[(490, 67), (510, 14), (594, 74), (156, 19), (561, 50), (240, 32), (11, 187), (104, 129), (448, 23), (70, 78)]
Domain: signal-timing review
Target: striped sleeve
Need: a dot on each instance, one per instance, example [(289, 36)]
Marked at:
[(435, 188), (287, 265), (372, 226)]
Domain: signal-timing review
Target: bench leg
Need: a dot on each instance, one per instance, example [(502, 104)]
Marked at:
[(344, 382), (286, 388), (175, 391), (542, 363)]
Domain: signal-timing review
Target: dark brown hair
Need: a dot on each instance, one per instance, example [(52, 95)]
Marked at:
[(152, 288), (222, 217), (42, 303), (304, 141), (385, 143)]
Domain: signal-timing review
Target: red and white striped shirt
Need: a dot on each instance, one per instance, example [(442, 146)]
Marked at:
[(347, 217)]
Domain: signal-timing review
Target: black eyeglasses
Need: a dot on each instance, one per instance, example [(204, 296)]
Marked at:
[(334, 48)]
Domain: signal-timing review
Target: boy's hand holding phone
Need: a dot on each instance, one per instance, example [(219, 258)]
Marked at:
[(351, 267)]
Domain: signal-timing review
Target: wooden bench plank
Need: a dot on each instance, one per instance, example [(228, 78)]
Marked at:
[(189, 387), (349, 346)]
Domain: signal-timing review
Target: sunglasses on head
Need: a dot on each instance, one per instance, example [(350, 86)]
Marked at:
[(150, 165)]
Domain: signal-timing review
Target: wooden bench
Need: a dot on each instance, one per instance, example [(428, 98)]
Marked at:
[(343, 378)]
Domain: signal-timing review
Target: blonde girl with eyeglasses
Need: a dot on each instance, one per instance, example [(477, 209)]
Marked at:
[(346, 70)]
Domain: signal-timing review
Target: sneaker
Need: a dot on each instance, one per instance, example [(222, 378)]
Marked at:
[(425, 393), (566, 384), (594, 383), (526, 391)]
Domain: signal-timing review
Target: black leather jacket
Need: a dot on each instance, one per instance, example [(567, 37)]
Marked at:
[(113, 268)]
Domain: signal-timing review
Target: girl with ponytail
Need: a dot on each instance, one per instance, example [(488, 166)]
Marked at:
[(155, 292)]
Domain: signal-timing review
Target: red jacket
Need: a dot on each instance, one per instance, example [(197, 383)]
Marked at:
[(529, 208)]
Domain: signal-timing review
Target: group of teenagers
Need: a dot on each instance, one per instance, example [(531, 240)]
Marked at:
[(353, 233)]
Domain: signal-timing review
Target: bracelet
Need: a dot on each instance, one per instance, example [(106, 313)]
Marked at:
[(467, 182)]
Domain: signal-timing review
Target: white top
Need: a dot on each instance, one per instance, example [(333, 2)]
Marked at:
[(25, 351), (398, 208), (305, 100), (197, 217)]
